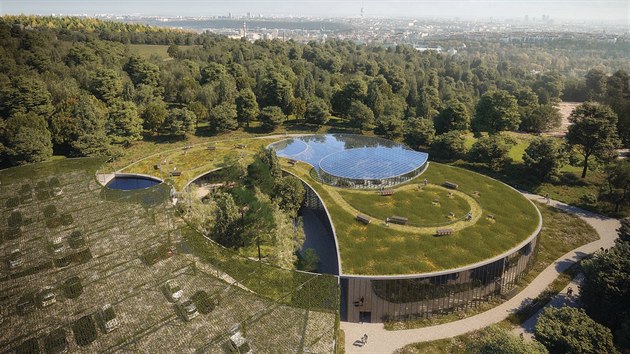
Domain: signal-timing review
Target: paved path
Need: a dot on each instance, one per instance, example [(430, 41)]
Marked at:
[(383, 341), (562, 299)]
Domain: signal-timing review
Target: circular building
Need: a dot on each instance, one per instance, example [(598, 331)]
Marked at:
[(355, 161), (453, 241)]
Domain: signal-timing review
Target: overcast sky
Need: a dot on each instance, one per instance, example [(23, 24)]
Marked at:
[(606, 10)]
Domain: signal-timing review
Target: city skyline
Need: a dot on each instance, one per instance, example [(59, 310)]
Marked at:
[(604, 10)]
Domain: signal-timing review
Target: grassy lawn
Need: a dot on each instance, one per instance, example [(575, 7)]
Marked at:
[(417, 206), (561, 233), (455, 345), (570, 188), (197, 159), (369, 249)]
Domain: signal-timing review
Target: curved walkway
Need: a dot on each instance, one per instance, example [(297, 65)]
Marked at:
[(383, 341)]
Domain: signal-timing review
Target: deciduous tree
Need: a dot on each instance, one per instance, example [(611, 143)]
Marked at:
[(570, 330), (26, 139), (496, 111), (544, 157), (593, 132)]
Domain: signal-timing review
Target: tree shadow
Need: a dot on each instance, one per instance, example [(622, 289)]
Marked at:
[(164, 139)]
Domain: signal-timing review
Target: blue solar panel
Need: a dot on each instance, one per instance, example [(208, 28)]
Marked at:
[(352, 156)]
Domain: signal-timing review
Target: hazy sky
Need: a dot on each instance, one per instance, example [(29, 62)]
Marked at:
[(606, 10)]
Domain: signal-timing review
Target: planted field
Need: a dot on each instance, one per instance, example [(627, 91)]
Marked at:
[(120, 248)]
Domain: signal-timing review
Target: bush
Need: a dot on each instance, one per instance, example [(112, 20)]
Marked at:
[(492, 150), (66, 219), (15, 219), (50, 211), (450, 146), (570, 330)]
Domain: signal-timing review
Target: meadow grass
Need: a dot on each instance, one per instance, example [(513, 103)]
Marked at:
[(416, 205), (374, 249)]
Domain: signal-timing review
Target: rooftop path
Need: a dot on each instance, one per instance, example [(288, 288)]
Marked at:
[(383, 341)]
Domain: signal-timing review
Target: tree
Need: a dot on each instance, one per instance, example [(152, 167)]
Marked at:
[(289, 194), (496, 111), (540, 119), (142, 72), (271, 117), (107, 85), (277, 91), (297, 107), (570, 330), (618, 183), (544, 157), (454, 117), (390, 127), (179, 122), (419, 132), (317, 111), (624, 230), (450, 146), (90, 118), (27, 94), (492, 150), (593, 132), (228, 227), (246, 106), (124, 124), (26, 139), (154, 115), (549, 88), (605, 291), (496, 340), (308, 260), (222, 118), (596, 84), (361, 116), (355, 90), (173, 51), (429, 104)]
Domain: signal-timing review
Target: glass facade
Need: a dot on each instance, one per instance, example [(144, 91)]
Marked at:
[(355, 161), (381, 299)]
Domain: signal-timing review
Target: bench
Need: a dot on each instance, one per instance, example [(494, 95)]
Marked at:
[(212, 147), (176, 173), (490, 216), (386, 192), (241, 146), (157, 166), (398, 220), (364, 219), (187, 147), (293, 162), (442, 232), (450, 185)]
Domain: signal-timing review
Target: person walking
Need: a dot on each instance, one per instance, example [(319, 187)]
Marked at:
[(570, 291), (365, 338)]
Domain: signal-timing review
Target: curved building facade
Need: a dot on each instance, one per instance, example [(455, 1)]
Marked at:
[(383, 298)]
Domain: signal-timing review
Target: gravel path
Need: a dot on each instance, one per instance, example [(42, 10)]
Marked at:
[(383, 341)]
